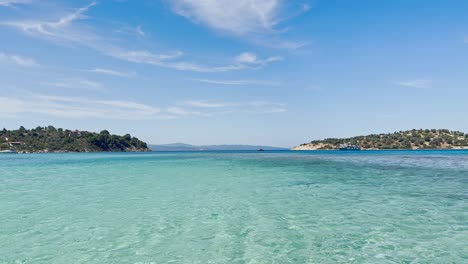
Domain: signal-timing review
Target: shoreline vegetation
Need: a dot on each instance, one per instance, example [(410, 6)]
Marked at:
[(57, 140), (402, 140)]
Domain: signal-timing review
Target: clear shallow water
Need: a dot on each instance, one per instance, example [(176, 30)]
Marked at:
[(281, 207)]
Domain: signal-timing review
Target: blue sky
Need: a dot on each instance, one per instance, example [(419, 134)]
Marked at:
[(270, 72)]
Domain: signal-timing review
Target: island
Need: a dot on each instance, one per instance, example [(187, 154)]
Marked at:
[(410, 139), (51, 139)]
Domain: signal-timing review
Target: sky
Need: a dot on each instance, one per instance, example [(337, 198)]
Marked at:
[(262, 72)]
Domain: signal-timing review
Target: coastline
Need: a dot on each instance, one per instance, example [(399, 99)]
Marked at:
[(66, 151), (313, 148), (401, 140)]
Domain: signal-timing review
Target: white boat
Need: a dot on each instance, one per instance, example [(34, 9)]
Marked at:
[(8, 151), (349, 146)]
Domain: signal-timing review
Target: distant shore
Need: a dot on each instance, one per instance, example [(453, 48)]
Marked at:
[(402, 140), (314, 148)]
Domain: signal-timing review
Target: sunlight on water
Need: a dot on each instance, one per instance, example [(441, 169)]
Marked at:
[(284, 207)]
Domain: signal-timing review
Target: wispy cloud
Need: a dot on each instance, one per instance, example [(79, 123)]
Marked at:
[(252, 59), (209, 104), (112, 72), (145, 57), (18, 60), (201, 108), (238, 17), (77, 83), (253, 19), (290, 45), (417, 83), (268, 107), (77, 107), (82, 107), (179, 111), (242, 61), (52, 29), (14, 2), (63, 30), (239, 82), (215, 108)]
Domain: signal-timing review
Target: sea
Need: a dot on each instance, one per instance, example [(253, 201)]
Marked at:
[(235, 207)]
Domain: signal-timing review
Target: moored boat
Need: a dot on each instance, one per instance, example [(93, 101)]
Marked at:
[(8, 151), (346, 146)]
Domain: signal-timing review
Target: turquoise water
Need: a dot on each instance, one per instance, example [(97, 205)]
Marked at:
[(278, 207)]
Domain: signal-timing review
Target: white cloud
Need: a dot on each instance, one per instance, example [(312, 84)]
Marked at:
[(208, 104), (146, 57), (129, 105), (81, 84), (254, 20), (18, 60), (112, 72), (290, 45), (77, 107), (81, 107), (13, 2), (202, 108), (243, 61), (178, 111), (66, 20), (238, 82), (247, 57), (251, 58), (417, 83), (240, 107), (63, 30), (51, 29), (268, 107), (238, 17)]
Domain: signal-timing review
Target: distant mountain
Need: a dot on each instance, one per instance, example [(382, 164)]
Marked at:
[(187, 147), (411, 139)]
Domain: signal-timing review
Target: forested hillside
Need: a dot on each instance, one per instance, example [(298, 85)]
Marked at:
[(51, 139), (411, 139)]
